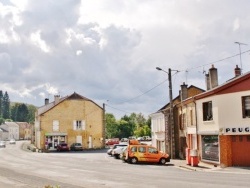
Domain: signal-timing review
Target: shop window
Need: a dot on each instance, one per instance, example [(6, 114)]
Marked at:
[(207, 111), (210, 147), (246, 107)]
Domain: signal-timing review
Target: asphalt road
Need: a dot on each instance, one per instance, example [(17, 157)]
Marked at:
[(19, 168)]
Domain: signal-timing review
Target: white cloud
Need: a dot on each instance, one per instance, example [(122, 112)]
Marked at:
[(108, 50), (36, 39)]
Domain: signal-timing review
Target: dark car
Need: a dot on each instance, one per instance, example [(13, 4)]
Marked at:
[(62, 147), (76, 147)]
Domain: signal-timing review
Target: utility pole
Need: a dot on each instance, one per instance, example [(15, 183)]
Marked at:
[(104, 126), (169, 126), (171, 118)]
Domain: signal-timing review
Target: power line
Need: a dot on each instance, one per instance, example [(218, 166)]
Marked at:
[(186, 70), (216, 61), (143, 93)]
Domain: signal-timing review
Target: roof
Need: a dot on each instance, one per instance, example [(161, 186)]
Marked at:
[(11, 124), (237, 82), (51, 105), (177, 99)]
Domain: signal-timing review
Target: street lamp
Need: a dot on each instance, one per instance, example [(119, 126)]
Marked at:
[(239, 43), (170, 127)]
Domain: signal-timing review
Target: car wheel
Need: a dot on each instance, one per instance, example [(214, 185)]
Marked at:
[(162, 161), (133, 160)]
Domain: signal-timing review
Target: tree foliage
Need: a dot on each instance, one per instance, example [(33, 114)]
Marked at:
[(132, 125), (15, 111), (6, 106)]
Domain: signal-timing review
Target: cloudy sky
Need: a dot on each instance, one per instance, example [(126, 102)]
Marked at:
[(108, 50)]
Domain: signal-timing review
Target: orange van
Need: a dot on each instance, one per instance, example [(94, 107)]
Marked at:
[(144, 153)]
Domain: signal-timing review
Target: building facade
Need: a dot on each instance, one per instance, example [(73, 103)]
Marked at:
[(70, 119), (167, 138), (223, 122), (12, 129)]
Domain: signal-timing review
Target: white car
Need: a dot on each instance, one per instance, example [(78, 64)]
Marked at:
[(2, 144), (12, 141), (116, 152)]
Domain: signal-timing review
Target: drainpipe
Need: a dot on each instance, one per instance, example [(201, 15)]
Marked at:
[(196, 126)]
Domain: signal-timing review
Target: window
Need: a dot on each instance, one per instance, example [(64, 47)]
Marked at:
[(55, 125), (152, 150), (246, 107), (191, 117), (210, 147), (182, 120), (79, 125), (142, 149), (207, 111)]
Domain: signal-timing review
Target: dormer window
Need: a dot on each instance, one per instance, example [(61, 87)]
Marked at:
[(246, 107)]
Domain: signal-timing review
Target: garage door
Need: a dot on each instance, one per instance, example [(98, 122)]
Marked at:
[(241, 150)]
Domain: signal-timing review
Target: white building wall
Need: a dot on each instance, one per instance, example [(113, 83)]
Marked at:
[(230, 113), (207, 127), (227, 114), (157, 127)]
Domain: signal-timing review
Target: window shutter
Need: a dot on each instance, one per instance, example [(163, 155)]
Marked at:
[(83, 125), (74, 125)]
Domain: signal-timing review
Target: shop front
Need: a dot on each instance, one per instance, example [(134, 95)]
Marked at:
[(210, 148), (53, 139)]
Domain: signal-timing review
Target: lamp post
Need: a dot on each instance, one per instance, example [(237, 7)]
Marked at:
[(239, 43), (170, 126)]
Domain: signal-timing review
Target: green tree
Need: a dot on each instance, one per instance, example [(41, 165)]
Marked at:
[(6, 106), (13, 111), (22, 113), (31, 114), (1, 120), (111, 128)]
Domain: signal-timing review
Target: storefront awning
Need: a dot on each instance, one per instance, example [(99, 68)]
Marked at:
[(55, 134)]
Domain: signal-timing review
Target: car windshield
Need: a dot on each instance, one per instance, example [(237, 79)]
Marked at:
[(63, 144)]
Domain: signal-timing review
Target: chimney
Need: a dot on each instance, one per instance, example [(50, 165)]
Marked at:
[(213, 77), (56, 98), (207, 82), (237, 71), (46, 101), (184, 91)]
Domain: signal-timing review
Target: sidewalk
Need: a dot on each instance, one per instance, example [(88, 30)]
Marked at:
[(206, 167)]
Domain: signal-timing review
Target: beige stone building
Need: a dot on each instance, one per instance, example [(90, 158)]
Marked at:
[(69, 119), (24, 130)]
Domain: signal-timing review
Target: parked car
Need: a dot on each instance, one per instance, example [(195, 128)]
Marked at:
[(145, 153), (12, 141), (117, 151), (140, 139), (123, 153), (62, 147), (109, 152), (147, 138), (2, 144), (76, 147), (112, 141), (124, 140)]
